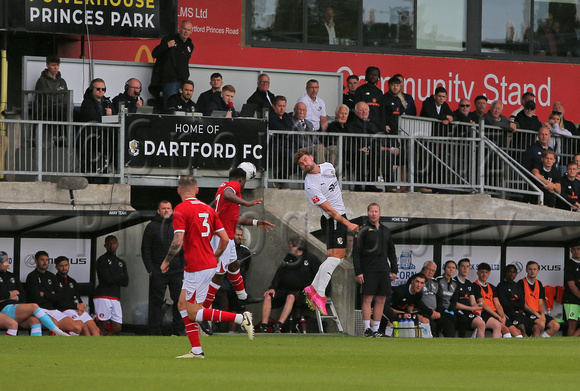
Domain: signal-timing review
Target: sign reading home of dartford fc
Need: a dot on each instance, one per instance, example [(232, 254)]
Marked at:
[(173, 141), (123, 18)]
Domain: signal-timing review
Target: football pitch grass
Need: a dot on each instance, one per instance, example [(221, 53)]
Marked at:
[(288, 362)]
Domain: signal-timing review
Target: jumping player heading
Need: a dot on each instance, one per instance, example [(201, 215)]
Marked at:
[(323, 190)]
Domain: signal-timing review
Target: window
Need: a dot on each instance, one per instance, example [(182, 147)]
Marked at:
[(506, 26), (555, 28), (441, 24), (276, 20), (388, 23), (333, 23)]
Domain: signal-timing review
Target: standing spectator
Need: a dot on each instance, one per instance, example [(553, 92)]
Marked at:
[(372, 96), (51, 86), (375, 266), (577, 161), (157, 238), (130, 96), (43, 289), (292, 276), (172, 61), (223, 102), (215, 81), (527, 119), (549, 174), (394, 105), (526, 96), (495, 118), (538, 324), (436, 106), (112, 274), (182, 100), (533, 155), (348, 97), (447, 301), (71, 304), (325, 31), (462, 113), (315, 107), (95, 103), (571, 297), (279, 119), (262, 96), (195, 223), (480, 103), (411, 109), (569, 188)]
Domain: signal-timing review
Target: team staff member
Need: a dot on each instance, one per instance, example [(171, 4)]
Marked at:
[(373, 254), (112, 273), (511, 298), (571, 297), (195, 223), (130, 97), (71, 303), (447, 300), (323, 190), (157, 238), (468, 312)]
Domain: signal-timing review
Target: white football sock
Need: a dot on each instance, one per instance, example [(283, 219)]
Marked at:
[(324, 275)]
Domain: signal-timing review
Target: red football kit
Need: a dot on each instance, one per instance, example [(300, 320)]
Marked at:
[(228, 212)]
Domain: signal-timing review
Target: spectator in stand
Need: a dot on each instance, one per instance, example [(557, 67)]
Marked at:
[(480, 108), (375, 266), (224, 102), (571, 297), (294, 274), (549, 174), (511, 299), (315, 107), (556, 127), (533, 155), (462, 113), (447, 301), (172, 62), (394, 105), (436, 106), (262, 96), (279, 119), (299, 140), (527, 119), (558, 108), (570, 188), (52, 103), (410, 108), (182, 100), (526, 96), (95, 104), (130, 96), (537, 323), (577, 161), (495, 118), (372, 96), (112, 274), (468, 311), (216, 82), (348, 97), (325, 31), (340, 119)]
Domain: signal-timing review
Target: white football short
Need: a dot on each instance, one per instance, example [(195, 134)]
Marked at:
[(196, 285), (108, 309), (228, 256), (74, 315)]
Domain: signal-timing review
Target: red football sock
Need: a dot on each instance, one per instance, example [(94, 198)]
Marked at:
[(217, 315), (213, 288), (192, 330), (237, 280)]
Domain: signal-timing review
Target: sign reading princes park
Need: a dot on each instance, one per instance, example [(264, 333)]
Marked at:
[(123, 18), (171, 141)]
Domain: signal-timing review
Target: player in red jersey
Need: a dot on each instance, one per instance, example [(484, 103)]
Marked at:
[(227, 203), (194, 224)]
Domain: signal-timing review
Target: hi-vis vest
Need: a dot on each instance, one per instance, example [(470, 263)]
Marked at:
[(487, 296), (532, 297)]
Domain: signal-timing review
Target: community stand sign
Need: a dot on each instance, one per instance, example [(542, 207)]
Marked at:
[(170, 141)]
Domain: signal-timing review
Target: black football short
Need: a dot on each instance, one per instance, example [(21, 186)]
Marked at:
[(377, 284), (334, 231)]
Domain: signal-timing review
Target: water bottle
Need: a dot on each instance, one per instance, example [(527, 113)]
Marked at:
[(303, 325)]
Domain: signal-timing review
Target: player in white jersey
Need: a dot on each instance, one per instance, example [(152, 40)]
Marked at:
[(323, 190)]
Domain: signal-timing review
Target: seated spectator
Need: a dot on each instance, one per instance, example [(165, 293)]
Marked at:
[(394, 105), (130, 97), (549, 174), (537, 323), (570, 188), (312, 143), (340, 120), (294, 274), (511, 299), (95, 104), (262, 96), (446, 301), (492, 311), (495, 118), (558, 108), (480, 103), (410, 108), (316, 109), (526, 96), (216, 82), (436, 106), (462, 113), (224, 102), (52, 104), (527, 119), (13, 310), (468, 311), (43, 289), (279, 119), (182, 100), (533, 155), (571, 296), (348, 97), (372, 96)]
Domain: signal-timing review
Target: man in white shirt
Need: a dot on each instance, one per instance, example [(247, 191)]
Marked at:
[(315, 107)]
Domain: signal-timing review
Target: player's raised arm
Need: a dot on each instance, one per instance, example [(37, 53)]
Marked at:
[(230, 195), (264, 224), (325, 206)]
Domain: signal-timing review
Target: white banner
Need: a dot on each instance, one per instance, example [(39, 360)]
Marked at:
[(550, 259), (477, 255), (78, 251), (410, 260)]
